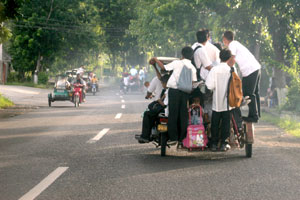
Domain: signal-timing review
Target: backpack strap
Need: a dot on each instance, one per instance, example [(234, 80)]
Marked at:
[(228, 86), (193, 62)]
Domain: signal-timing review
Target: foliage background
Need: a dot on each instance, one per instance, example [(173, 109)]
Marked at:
[(109, 36)]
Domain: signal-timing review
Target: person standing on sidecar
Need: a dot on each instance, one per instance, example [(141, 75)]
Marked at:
[(178, 100), (250, 69), (217, 81)]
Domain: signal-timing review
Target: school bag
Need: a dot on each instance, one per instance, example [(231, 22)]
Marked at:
[(185, 81), (196, 136), (234, 90)]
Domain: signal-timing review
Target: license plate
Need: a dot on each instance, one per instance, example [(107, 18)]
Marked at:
[(60, 90), (162, 128)]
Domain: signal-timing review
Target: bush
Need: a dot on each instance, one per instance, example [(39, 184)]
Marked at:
[(43, 78), (4, 102), (12, 77), (293, 98)]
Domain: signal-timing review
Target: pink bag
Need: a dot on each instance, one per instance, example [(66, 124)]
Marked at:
[(196, 136)]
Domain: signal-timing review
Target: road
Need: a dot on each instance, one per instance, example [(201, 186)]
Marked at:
[(90, 152)]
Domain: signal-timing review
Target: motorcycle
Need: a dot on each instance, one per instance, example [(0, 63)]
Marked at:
[(77, 94), (94, 88)]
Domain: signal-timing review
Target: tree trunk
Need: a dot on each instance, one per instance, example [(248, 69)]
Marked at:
[(113, 62), (257, 51), (277, 31), (37, 69)]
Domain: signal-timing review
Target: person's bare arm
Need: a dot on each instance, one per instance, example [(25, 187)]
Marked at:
[(149, 95), (209, 67), (157, 72), (231, 61), (159, 63)]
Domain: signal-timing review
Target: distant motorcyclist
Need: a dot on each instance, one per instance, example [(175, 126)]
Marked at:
[(94, 80), (79, 80)]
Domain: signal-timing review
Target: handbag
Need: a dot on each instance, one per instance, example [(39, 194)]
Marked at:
[(155, 108), (185, 82)]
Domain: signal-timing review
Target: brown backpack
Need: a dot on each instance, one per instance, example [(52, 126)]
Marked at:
[(235, 93)]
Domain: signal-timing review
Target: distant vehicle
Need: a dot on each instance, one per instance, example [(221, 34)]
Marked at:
[(62, 90)]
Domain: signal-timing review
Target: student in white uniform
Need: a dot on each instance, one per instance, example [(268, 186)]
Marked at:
[(250, 69), (201, 58), (177, 102), (217, 81), (204, 64), (150, 117), (212, 51), (155, 88)]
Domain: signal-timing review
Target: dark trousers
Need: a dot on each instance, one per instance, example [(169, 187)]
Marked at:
[(251, 88), (237, 115), (148, 123), (178, 114), (217, 117)]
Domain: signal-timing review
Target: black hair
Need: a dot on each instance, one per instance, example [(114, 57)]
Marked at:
[(229, 35), (207, 32), (218, 45), (201, 36), (225, 54), (165, 78), (187, 52)]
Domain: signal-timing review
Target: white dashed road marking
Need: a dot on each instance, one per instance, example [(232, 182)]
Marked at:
[(118, 116), (98, 136), (46, 182), (122, 101), (123, 106)]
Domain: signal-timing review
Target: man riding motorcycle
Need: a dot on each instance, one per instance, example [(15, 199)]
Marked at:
[(82, 82)]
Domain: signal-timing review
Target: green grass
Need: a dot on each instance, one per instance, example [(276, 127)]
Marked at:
[(29, 84), (289, 125), (5, 102)]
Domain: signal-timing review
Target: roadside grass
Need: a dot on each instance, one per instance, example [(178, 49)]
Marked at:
[(289, 125), (29, 84), (5, 102)]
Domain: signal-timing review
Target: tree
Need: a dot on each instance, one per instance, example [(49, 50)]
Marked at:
[(49, 32), (8, 10)]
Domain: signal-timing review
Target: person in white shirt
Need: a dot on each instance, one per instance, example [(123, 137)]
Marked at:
[(155, 86), (154, 89), (217, 81), (133, 72), (201, 58), (81, 70), (203, 62), (178, 110), (150, 116), (212, 51), (250, 70)]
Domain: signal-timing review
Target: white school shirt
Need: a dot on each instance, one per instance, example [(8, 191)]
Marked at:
[(213, 53), (217, 81), (155, 88), (201, 58), (177, 66), (244, 58)]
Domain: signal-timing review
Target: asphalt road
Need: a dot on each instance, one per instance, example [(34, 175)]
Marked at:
[(90, 152)]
